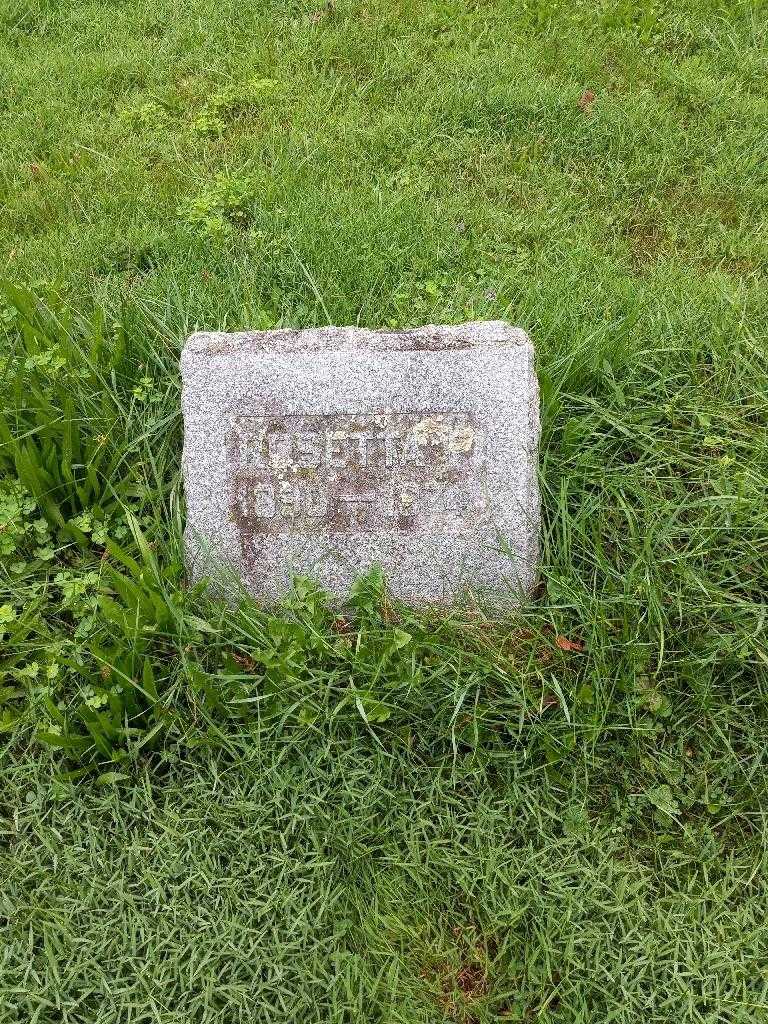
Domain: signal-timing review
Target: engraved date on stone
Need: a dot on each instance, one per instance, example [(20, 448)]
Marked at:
[(383, 472)]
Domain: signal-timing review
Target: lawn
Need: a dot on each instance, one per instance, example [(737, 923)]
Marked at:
[(225, 815)]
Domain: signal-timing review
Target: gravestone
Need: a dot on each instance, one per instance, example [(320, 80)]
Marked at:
[(324, 452)]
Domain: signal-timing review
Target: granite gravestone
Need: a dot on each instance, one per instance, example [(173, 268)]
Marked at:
[(323, 452)]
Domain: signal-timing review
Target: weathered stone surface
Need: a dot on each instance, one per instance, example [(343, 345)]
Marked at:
[(322, 452)]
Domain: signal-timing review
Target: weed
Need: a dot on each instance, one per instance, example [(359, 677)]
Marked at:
[(222, 207)]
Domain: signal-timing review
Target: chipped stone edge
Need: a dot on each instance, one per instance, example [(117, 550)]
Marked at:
[(434, 338)]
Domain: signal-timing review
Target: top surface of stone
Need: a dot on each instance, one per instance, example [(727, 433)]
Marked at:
[(430, 338), (323, 452)]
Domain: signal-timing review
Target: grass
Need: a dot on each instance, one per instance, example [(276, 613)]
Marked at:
[(320, 881), (287, 815)]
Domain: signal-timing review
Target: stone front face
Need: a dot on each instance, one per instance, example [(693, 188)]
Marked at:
[(324, 452)]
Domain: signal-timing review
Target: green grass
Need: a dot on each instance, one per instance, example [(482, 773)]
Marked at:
[(216, 815), (325, 882)]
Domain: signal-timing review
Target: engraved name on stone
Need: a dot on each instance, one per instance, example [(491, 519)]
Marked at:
[(384, 471)]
